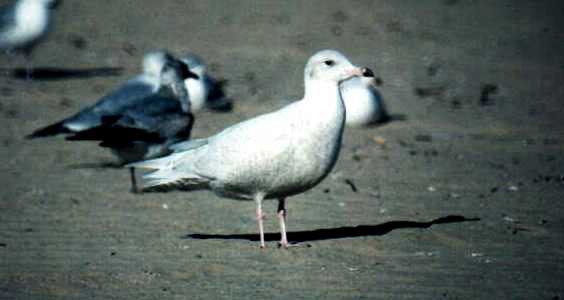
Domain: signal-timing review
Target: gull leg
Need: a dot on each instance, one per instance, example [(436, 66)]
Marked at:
[(133, 181), (28, 71), (260, 217), (282, 220)]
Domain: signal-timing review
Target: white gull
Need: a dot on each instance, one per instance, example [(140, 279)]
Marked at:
[(363, 102), (271, 156), (24, 23)]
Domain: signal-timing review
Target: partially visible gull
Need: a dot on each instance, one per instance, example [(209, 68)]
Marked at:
[(274, 155), (135, 128), (24, 23), (205, 91), (363, 102), (139, 87)]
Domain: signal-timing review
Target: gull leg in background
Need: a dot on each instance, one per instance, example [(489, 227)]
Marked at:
[(28, 69), (282, 220), (260, 217), (133, 180)]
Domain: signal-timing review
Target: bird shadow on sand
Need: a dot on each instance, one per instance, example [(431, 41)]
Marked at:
[(97, 165), (337, 233), (388, 118), (53, 74)]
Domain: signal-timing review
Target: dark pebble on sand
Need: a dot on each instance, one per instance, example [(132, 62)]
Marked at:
[(351, 184), (431, 152), (486, 92), (423, 138), (340, 17), (11, 113), (336, 30), (77, 41), (432, 70), (65, 102), (129, 48), (402, 143), (456, 104), (550, 141), (429, 92)]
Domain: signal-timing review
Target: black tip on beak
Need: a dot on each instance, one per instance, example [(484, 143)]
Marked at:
[(366, 72), (185, 72)]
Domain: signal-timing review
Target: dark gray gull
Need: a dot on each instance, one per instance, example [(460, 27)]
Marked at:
[(271, 156), (205, 91), (363, 102), (143, 129), (138, 87)]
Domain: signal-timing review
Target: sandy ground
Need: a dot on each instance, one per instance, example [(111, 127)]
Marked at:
[(463, 199)]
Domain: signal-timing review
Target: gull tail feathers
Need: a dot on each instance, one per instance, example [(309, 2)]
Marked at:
[(158, 163), (50, 130), (188, 145), (168, 179)]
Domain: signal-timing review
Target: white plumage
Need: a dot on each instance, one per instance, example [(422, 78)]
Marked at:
[(274, 155), (24, 23), (204, 91), (363, 102)]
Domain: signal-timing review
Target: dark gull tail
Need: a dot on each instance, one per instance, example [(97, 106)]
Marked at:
[(54, 129)]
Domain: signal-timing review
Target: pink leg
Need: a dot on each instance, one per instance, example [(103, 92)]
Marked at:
[(260, 217), (282, 220)]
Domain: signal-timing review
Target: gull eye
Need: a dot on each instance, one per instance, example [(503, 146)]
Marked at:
[(329, 62)]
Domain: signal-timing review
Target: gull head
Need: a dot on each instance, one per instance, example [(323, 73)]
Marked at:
[(198, 90), (154, 61), (174, 71), (333, 67), (173, 74)]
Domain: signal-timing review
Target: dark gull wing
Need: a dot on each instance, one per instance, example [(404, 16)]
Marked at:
[(154, 120), (112, 104)]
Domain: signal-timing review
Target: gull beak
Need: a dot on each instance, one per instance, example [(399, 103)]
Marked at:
[(366, 72), (185, 72), (360, 72)]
